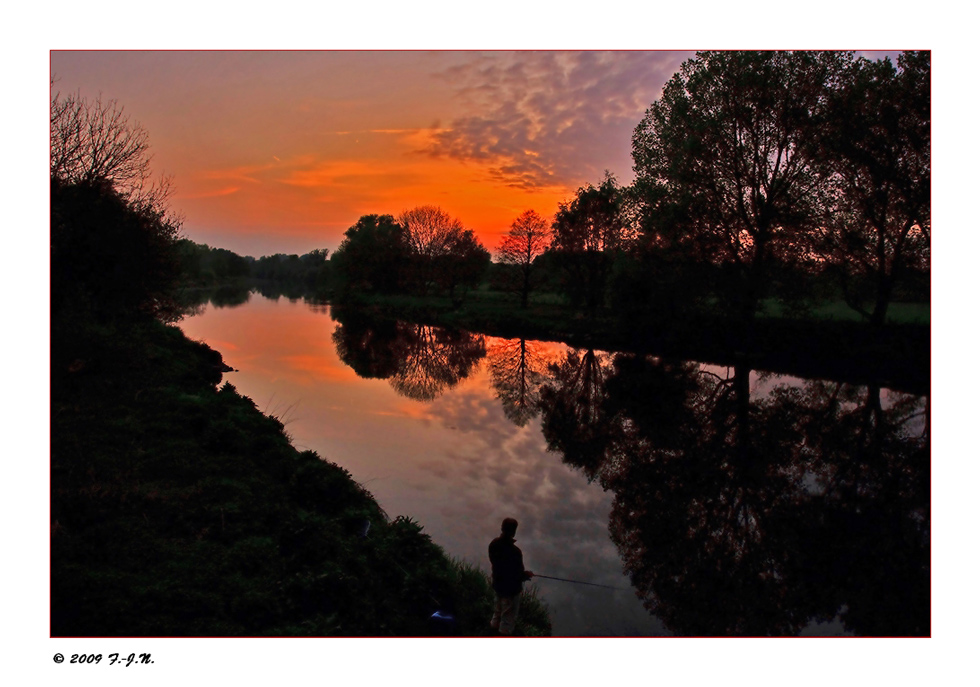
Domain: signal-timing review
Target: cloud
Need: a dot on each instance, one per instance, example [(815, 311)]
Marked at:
[(227, 191), (546, 119)]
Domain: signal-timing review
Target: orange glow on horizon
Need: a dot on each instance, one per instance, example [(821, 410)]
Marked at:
[(283, 151), (320, 198)]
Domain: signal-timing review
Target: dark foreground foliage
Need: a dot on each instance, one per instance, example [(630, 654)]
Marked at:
[(179, 509)]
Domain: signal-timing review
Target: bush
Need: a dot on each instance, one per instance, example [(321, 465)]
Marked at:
[(109, 257)]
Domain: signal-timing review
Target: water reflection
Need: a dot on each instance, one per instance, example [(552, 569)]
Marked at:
[(736, 511), (517, 371), (420, 361), (753, 514), (737, 503)]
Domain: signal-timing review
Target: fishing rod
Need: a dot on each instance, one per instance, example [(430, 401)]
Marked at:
[(591, 584)]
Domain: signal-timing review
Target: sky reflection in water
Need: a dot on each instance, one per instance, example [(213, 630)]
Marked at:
[(432, 441), (456, 464)]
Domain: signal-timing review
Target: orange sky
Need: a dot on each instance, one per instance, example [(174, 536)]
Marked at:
[(283, 151), (277, 151)]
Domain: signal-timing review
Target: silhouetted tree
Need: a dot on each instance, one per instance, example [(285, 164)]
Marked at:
[(94, 142), (528, 238), (292, 274), (113, 236), (721, 159), (372, 256), (875, 136), (109, 257), (586, 232), (462, 265), (441, 253)]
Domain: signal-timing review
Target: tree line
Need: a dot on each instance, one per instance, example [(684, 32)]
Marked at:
[(792, 176)]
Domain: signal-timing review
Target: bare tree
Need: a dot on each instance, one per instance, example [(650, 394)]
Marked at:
[(95, 141), (442, 251), (527, 239), (430, 229)]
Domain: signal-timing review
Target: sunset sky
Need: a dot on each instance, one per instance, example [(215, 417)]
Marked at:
[(283, 151), (220, 122)]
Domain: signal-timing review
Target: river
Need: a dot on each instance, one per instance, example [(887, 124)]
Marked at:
[(706, 500)]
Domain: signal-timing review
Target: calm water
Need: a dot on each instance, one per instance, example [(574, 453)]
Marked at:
[(719, 500)]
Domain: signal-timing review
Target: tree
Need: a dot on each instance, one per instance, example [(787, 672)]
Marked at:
[(722, 158), (875, 134), (527, 239), (372, 256), (586, 232), (114, 238), (95, 141), (108, 257), (462, 265), (442, 253)]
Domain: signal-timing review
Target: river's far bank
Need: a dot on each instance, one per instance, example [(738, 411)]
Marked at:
[(179, 509), (895, 356)]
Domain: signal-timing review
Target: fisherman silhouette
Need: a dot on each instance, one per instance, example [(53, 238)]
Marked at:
[(508, 576)]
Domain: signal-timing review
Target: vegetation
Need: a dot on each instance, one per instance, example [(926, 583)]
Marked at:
[(587, 236), (761, 163), (772, 188), (177, 507), (527, 239), (877, 142)]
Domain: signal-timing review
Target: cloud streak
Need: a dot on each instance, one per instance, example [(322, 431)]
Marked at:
[(546, 119)]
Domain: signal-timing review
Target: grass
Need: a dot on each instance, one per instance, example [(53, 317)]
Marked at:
[(532, 620), (839, 311)]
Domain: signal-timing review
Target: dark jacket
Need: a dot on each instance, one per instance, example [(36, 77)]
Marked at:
[(507, 564)]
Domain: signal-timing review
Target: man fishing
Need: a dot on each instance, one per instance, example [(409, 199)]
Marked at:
[(508, 576)]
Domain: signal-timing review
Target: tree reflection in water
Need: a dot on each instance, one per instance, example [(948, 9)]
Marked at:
[(734, 512), (419, 361), (737, 515), (517, 370)]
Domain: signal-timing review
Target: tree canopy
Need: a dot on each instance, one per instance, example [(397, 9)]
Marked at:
[(372, 255), (722, 158), (767, 164), (528, 237), (442, 253), (587, 230), (113, 236), (875, 136)]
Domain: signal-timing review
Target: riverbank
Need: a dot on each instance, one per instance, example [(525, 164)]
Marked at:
[(179, 509), (896, 356)]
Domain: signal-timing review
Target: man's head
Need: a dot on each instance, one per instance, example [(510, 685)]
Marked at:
[(508, 527)]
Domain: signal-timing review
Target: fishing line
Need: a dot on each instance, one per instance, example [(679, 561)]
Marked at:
[(591, 584)]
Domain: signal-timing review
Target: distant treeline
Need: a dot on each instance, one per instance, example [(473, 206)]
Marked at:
[(795, 178), (206, 266)]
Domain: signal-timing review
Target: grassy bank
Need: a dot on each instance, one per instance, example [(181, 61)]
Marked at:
[(179, 509)]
